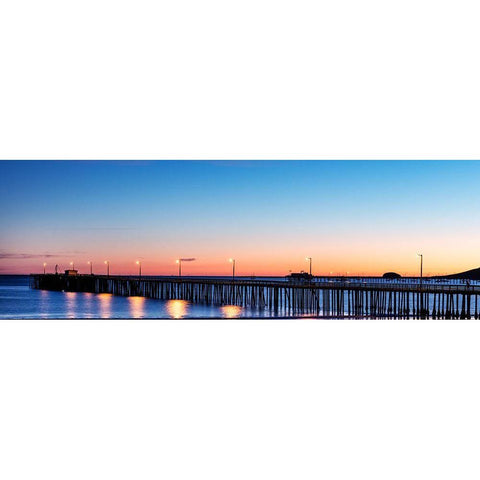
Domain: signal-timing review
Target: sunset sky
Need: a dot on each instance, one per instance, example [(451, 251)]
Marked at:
[(350, 216)]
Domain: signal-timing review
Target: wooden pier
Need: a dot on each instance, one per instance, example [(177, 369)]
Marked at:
[(340, 298)]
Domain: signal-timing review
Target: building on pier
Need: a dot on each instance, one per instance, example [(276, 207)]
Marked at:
[(300, 277)]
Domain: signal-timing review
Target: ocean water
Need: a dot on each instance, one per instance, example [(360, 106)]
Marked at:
[(17, 300)]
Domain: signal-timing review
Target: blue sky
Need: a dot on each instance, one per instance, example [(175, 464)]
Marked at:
[(354, 215)]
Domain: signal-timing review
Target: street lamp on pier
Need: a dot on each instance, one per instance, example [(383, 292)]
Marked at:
[(139, 263), (107, 263), (232, 261), (91, 267), (178, 261), (44, 265), (421, 266), (309, 259)]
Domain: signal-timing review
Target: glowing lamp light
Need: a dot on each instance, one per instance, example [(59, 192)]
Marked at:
[(232, 261)]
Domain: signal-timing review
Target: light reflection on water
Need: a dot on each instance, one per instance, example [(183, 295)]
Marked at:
[(177, 308), (136, 307), (88, 304), (44, 303), (105, 304), (71, 304), (231, 311)]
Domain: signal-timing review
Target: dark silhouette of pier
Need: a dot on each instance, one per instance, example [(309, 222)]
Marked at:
[(339, 297)]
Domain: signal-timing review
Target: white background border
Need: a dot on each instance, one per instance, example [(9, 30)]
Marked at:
[(257, 79), (239, 399)]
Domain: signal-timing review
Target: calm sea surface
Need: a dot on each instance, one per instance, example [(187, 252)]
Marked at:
[(17, 300)]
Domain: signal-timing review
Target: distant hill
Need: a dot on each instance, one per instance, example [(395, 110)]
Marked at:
[(391, 275), (469, 274)]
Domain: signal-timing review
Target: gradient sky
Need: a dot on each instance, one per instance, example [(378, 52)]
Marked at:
[(350, 216)]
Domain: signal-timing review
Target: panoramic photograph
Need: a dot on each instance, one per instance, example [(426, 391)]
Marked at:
[(239, 239)]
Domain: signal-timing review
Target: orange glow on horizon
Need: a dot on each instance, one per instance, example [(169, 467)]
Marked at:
[(272, 266), (369, 256)]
